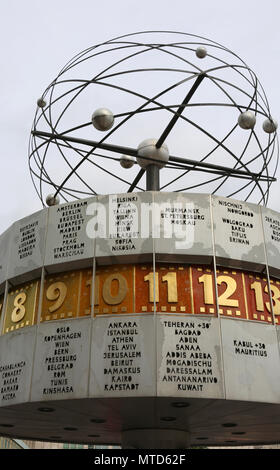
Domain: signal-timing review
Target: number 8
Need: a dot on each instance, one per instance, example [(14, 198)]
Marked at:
[(19, 310)]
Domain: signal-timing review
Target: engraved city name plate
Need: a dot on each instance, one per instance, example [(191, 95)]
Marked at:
[(123, 357), (5, 245), (182, 225), (123, 228), (28, 245), (61, 360), (67, 235), (251, 361), (271, 225), (189, 357), (238, 233), (16, 358)]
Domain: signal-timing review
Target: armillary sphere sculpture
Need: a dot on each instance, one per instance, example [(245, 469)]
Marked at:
[(146, 313), (205, 114)]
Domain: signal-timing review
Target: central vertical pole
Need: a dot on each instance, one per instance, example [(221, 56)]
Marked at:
[(152, 178)]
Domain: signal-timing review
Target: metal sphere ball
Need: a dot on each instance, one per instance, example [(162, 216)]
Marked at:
[(247, 120), (270, 126), (102, 119), (152, 154), (52, 200), (41, 103), (127, 161), (201, 52)]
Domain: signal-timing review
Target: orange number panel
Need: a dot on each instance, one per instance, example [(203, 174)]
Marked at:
[(231, 294), (114, 289), (275, 293), (144, 283), (85, 293), (258, 298), (174, 288), (203, 285), (169, 289), (22, 306), (61, 296)]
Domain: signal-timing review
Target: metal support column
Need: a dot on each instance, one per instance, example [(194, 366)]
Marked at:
[(152, 178)]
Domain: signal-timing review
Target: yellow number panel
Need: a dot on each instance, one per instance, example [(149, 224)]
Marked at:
[(114, 290), (22, 306), (1, 305), (61, 296)]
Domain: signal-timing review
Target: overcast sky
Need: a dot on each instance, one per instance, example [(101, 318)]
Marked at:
[(39, 37)]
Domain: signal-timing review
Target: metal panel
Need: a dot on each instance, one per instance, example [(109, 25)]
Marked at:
[(16, 359), (189, 357), (251, 361), (5, 245), (123, 357), (278, 335), (271, 225), (124, 228), (28, 245), (61, 360), (184, 225), (67, 238), (238, 234)]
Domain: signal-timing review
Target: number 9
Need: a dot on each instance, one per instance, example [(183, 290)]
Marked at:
[(56, 291)]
